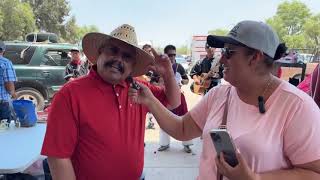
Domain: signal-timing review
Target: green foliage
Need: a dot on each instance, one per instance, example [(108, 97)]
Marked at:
[(74, 33), (219, 32), (312, 30), (50, 14), (1, 20), (277, 24), (294, 41), (183, 49), (20, 17), (295, 25), (293, 15), (82, 30), (17, 20), (69, 32)]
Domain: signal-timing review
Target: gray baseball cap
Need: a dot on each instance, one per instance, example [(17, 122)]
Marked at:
[(256, 35), (2, 46)]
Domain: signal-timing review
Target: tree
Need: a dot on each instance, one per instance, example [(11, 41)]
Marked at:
[(17, 20), (183, 49), (293, 15), (50, 14), (277, 24), (219, 32), (295, 41), (1, 20), (69, 32), (289, 23), (312, 30), (82, 30), (74, 33)]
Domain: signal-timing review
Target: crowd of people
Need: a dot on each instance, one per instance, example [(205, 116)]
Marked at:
[(97, 121)]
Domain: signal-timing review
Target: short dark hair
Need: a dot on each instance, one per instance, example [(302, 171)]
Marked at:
[(268, 61), (146, 46), (169, 47)]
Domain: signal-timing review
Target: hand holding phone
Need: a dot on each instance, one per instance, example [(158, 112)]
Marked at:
[(222, 142)]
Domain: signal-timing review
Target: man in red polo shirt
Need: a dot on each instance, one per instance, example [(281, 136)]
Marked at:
[(94, 130)]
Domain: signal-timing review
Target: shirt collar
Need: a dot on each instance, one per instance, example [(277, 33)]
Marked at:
[(93, 73)]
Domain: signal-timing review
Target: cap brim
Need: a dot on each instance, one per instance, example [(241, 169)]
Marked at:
[(91, 43), (74, 49), (219, 41)]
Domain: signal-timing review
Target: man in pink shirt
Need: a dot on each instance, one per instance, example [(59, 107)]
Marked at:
[(274, 125)]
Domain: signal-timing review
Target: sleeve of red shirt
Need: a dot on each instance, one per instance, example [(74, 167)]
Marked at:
[(61, 134)]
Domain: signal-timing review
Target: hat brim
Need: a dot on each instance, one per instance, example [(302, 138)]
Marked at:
[(91, 43), (219, 41)]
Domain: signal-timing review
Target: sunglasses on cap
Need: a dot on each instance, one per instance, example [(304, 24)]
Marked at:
[(227, 52), (172, 55)]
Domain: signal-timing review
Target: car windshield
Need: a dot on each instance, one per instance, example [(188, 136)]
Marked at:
[(180, 59)]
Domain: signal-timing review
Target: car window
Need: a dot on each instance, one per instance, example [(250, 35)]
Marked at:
[(13, 53), (180, 59), (56, 58)]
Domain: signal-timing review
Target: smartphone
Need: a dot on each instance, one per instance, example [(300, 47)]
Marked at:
[(223, 142)]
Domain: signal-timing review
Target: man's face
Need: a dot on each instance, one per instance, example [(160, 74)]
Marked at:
[(75, 55), (147, 49), (210, 51), (115, 62), (172, 55)]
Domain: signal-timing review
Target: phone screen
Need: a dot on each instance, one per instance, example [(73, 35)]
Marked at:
[(223, 143)]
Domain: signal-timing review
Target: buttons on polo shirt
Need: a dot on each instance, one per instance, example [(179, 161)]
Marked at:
[(117, 94), (119, 106)]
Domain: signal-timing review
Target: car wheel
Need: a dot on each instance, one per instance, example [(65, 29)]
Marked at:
[(33, 95)]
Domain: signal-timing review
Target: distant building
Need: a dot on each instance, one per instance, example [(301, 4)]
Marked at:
[(198, 47), (198, 51)]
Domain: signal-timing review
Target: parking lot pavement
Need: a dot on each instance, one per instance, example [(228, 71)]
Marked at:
[(173, 164)]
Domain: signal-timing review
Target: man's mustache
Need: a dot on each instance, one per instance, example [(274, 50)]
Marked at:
[(115, 64)]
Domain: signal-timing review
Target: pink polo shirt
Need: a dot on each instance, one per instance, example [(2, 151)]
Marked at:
[(287, 134)]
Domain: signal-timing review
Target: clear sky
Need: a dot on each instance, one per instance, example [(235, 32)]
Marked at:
[(174, 21)]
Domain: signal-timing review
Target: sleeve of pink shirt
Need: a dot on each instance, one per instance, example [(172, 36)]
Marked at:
[(199, 112), (302, 134)]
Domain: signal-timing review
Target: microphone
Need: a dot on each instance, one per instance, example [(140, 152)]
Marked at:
[(134, 84), (262, 108)]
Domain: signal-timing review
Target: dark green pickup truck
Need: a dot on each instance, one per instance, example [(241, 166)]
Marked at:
[(40, 69)]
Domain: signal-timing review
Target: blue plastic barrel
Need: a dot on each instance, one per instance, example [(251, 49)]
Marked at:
[(26, 112)]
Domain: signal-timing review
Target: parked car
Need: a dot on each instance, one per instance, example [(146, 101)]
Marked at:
[(181, 60), (40, 69)]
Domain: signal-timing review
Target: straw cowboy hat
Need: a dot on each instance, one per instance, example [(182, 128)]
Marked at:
[(91, 43)]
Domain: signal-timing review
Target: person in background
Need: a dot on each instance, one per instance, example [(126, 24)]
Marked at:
[(147, 77), (182, 79), (210, 64), (7, 88), (311, 84), (76, 68), (273, 124)]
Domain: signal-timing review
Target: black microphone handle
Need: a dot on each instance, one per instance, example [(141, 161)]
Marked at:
[(262, 108)]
